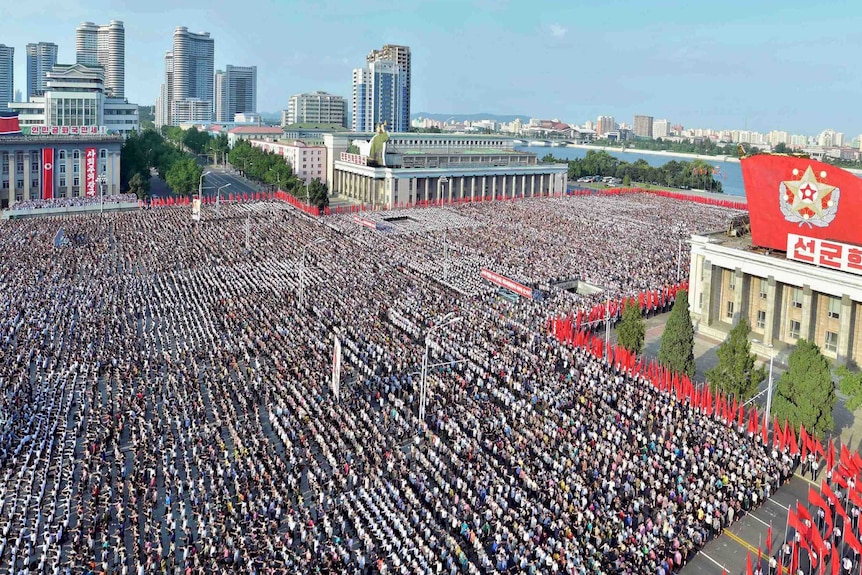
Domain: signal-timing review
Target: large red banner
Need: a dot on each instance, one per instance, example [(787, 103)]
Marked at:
[(47, 173), (505, 282), (90, 172), (788, 195)]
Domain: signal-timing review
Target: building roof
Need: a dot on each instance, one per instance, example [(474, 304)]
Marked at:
[(256, 130)]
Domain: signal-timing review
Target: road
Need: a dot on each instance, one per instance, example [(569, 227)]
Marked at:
[(730, 550), (216, 178)]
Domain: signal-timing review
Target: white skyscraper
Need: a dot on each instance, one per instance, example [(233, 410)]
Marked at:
[(660, 128), (41, 58), (7, 75), (401, 56), (104, 46), (192, 77)]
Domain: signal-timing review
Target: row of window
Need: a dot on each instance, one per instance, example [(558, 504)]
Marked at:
[(793, 328), (796, 296)]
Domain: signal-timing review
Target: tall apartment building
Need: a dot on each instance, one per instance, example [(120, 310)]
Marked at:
[(187, 94), (105, 46), (317, 108), (235, 91), (7, 75), (401, 56), (605, 124), (379, 96), (660, 128), (643, 126), (41, 58)]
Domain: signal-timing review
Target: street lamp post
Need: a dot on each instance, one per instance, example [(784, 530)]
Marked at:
[(448, 319), (101, 179), (442, 182), (301, 299), (218, 198), (769, 384), (201, 186)]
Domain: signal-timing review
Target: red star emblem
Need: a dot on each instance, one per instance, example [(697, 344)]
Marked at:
[(808, 192)]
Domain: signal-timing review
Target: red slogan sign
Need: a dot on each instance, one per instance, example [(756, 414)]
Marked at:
[(90, 172), (505, 282), (47, 173)]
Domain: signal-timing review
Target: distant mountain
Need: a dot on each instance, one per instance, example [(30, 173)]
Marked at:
[(503, 118)]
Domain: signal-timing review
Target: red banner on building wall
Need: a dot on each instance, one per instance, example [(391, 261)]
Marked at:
[(789, 195), (47, 173), (90, 172), (505, 282)]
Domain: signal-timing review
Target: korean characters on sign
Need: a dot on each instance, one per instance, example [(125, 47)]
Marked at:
[(90, 172), (825, 253)]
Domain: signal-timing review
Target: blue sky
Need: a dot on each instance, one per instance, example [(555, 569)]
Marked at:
[(763, 64)]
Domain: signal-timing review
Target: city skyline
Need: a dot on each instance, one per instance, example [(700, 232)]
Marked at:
[(743, 66)]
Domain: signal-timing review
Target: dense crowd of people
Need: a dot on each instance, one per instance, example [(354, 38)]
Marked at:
[(168, 404), (75, 201)]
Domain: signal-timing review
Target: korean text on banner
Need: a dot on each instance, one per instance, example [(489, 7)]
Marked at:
[(90, 172)]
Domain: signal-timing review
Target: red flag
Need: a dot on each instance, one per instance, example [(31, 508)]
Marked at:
[(765, 430), (777, 435), (794, 444), (830, 495), (748, 570), (836, 567), (830, 456), (803, 513), (852, 541), (854, 497), (815, 498), (794, 557), (803, 436), (769, 537)]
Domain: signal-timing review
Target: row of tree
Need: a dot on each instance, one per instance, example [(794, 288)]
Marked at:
[(695, 174), (702, 146), (274, 170), (805, 394), (148, 150)]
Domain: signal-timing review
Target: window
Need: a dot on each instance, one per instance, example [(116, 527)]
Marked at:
[(834, 308), (764, 288), (796, 297), (732, 281), (76, 181), (831, 343), (700, 300), (62, 183), (730, 310), (761, 319), (794, 329)]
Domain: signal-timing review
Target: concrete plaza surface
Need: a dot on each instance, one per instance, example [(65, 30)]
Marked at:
[(730, 550)]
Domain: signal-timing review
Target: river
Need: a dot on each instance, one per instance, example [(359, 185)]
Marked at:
[(729, 173)]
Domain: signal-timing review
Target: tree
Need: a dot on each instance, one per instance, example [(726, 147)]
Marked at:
[(735, 373), (183, 176), (631, 331), (318, 194), (627, 181), (677, 342), (139, 185), (805, 393), (850, 384)]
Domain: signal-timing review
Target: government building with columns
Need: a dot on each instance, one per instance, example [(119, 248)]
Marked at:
[(389, 170), (792, 267), (782, 299), (27, 171)]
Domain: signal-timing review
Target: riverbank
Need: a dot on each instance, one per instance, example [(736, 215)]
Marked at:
[(666, 153)]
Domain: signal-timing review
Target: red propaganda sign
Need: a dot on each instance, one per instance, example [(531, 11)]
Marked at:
[(365, 222), (354, 159), (90, 172), (505, 282), (47, 173), (796, 196)]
